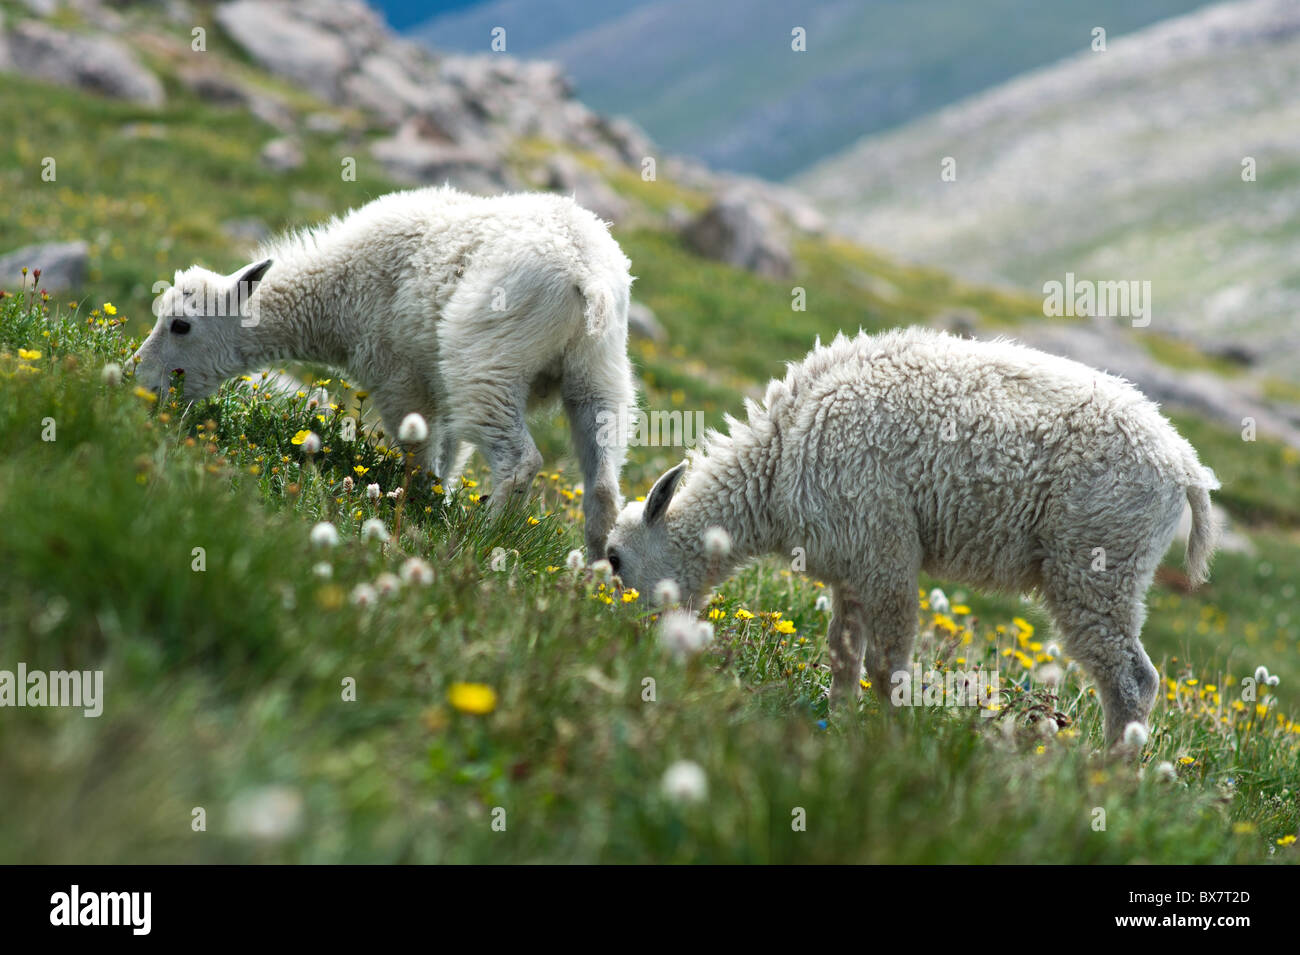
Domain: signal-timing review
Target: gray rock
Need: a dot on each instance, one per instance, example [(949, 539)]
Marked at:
[(282, 155), (213, 86), (386, 90), (741, 233), (96, 63), (288, 45), (642, 323), (1102, 346), (567, 175), (415, 159), (326, 123), (272, 111), (62, 264)]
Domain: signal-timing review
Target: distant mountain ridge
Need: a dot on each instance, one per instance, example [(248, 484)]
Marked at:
[(718, 81), (1126, 164)]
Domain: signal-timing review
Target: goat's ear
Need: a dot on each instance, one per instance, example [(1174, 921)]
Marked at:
[(656, 502), (253, 273)]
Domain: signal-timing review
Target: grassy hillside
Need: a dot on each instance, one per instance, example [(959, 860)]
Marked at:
[(224, 687)]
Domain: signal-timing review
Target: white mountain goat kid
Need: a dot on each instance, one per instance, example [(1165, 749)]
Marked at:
[(985, 462), (459, 308)]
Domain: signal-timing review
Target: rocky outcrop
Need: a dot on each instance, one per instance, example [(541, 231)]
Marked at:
[(451, 118), (62, 266), (100, 64), (1218, 399), (565, 174), (282, 154), (642, 323), (289, 45), (742, 233), (419, 155)]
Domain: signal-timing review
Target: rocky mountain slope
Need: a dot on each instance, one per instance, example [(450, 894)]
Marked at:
[(1129, 164), (719, 81), (235, 118)]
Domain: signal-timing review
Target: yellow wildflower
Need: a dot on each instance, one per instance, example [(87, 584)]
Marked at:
[(477, 699)]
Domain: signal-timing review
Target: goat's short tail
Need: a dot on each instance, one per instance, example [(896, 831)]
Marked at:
[(1203, 537), (600, 306)]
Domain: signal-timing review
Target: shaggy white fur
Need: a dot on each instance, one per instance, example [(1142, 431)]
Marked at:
[(459, 308), (985, 462)]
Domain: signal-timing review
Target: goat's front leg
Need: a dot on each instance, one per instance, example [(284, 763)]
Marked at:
[(513, 457)]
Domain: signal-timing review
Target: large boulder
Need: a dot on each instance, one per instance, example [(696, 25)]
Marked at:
[(415, 157), (97, 63), (311, 55), (567, 175), (1101, 345), (62, 264), (282, 154), (642, 323), (742, 233)]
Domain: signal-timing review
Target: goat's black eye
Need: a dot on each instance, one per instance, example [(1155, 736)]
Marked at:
[(180, 326), (614, 563)]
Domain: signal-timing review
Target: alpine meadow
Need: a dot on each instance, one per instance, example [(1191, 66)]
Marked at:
[(267, 630)]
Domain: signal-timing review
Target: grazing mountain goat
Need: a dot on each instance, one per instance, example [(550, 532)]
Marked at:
[(985, 462), (462, 309)]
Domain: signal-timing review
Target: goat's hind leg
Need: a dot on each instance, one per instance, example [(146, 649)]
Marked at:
[(847, 641), (598, 398)]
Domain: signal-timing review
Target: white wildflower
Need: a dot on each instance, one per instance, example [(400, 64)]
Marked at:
[(374, 529), (1165, 772), (413, 429), (823, 604), (939, 601), (311, 443), (1050, 674), (269, 813), (1135, 734), (324, 534), (717, 542), (601, 570), (373, 492), (323, 570), (363, 595), (111, 374), (387, 584), (1263, 677), (417, 571), (682, 634), (685, 782), (667, 593), (575, 561)]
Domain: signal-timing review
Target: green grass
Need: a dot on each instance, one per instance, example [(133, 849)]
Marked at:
[(150, 189), (223, 682)]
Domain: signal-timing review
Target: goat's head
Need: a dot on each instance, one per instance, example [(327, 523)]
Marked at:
[(198, 332)]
